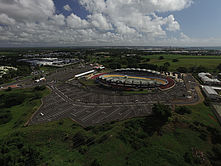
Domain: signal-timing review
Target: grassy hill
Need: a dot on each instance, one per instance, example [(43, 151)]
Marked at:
[(134, 142)]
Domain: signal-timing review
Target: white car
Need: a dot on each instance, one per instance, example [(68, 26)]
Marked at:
[(41, 114)]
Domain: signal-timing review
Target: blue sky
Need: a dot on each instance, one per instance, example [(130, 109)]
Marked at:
[(202, 19), (110, 22)]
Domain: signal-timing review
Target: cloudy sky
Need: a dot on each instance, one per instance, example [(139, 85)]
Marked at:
[(110, 23)]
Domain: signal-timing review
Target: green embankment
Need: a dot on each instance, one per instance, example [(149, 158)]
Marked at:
[(21, 104)]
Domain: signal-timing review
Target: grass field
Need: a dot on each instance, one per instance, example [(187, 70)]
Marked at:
[(8, 53), (21, 112), (134, 142), (209, 62)]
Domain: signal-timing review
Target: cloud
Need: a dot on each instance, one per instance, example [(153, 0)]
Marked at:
[(109, 22), (67, 8), (100, 22), (27, 10), (172, 25), (4, 19)]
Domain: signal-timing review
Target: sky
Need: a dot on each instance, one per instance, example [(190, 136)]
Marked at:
[(51, 23)]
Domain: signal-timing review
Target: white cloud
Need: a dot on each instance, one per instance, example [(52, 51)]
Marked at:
[(76, 22), (172, 24), (67, 8), (4, 19), (27, 10), (110, 22), (100, 22)]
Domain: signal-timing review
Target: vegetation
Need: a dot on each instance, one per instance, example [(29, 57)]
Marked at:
[(168, 138), (183, 110), (161, 62), (185, 136), (162, 111), (16, 106)]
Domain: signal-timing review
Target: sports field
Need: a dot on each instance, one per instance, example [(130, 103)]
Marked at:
[(138, 78)]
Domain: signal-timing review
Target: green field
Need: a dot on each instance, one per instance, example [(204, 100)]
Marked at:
[(134, 142), (8, 53), (209, 62)]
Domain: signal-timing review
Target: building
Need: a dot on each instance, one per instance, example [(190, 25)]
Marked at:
[(211, 92), (5, 69), (207, 78), (84, 74)]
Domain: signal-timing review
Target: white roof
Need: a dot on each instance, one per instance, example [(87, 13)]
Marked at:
[(85, 73), (204, 77), (210, 90)]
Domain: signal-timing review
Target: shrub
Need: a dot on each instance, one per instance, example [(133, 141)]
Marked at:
[(5, 116), (96, 163), (175, 60), (8, 89), (39, 88), (183, 110), (182, 70), (161, 57)]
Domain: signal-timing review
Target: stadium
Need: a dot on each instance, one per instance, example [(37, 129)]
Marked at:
[(135, 79)]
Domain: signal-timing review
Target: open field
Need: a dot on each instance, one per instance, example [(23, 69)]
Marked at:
[(209, 62)]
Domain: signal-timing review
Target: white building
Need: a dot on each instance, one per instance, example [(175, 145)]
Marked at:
[(211, 92), (206, 78), (84, 74)]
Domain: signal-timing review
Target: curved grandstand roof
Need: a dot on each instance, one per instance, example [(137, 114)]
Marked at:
[(134, 80), (138, 69)]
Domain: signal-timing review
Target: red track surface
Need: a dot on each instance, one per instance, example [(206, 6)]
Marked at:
[(169, 85), (95, 76)]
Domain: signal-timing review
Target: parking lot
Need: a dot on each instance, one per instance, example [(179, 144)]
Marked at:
[(90, 107), (57, 106)]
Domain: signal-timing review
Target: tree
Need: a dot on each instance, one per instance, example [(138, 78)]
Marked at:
[(9, 89), (182, 69), (219, 67), (167, 64), (175, 60), (96, 163), (162, 111), (182, 110), (161, 57), (147, 59)]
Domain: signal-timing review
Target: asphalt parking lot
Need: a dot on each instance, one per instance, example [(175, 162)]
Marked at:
[(89, 108), (57, 106)]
